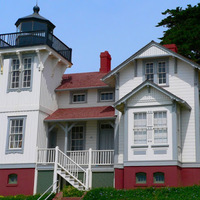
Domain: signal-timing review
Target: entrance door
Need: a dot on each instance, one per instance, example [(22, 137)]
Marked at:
[(106, 137), (53, 139)]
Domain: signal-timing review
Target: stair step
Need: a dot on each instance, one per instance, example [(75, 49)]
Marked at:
[(71, 198)]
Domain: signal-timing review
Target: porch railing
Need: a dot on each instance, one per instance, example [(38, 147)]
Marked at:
[(96, 157)]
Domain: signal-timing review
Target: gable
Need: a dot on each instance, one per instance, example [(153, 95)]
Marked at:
[(152, 51), (149, 96)]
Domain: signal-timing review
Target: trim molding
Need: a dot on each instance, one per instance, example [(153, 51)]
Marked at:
[(17, 166)]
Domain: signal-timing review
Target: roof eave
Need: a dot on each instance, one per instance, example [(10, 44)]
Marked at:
[(80, 119)]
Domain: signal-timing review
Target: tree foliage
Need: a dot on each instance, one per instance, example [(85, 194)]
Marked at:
[(183, 29)]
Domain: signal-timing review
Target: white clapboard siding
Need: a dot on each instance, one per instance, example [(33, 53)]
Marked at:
[(50, 80), (127, 81), (153, 51), (25, 100), (30, 138), (92, 100), (181, 85)]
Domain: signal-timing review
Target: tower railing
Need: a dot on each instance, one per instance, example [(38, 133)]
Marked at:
[(31, 38)]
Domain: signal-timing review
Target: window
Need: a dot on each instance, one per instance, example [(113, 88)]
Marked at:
[(79, 98), (162, 72), (20, 78), (141, 178), (77, 138), (140, 128), (160, 127), (107, 96), (158, 177), (149, 71), (156, 71), (12, 179), (16, 129)]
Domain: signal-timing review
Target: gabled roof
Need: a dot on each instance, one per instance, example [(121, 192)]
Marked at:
[(82, 81), (119, 104), (136, 56), (88, 113)]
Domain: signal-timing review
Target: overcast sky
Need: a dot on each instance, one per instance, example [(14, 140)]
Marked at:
[(89, 27)]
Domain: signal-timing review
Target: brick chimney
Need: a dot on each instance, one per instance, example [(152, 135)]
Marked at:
[(172, 47), (105, 62)]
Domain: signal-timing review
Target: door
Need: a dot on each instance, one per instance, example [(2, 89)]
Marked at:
[(106, 137), (53, 139)]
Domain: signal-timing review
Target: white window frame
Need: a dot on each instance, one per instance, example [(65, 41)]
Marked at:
[(139, 128), (106, 92), (21, 70), (160, 127), (156, 72), (79, 94), (10, 128), (83, 138)]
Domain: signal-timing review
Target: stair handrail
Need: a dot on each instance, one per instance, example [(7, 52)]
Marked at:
[(48, 190), (84, 184)]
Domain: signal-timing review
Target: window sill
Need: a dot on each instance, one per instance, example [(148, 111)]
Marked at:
[(11, 185), (141, 185), (19, 90), (139, 146), (159, 145), (159, 185), (9, 151)]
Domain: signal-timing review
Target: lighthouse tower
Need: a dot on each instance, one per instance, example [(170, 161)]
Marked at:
[(32, 62)]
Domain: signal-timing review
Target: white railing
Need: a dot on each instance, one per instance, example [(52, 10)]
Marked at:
[(96, 157), (45, 156), (71, 167)]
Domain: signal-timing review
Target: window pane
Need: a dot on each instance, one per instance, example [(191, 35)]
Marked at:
[(77, 138), (14, 74), (79, 98), (162, 72), (106, 96), (149, 71), (160, 127), (16, 133), (141, 178), (140, 128), (158, 177), (12, 179), (27, 73)]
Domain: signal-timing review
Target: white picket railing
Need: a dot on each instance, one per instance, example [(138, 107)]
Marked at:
[(45, 156), (71, 167), (98, 157)]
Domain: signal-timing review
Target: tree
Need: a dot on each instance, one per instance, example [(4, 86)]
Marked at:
[(183, 29)]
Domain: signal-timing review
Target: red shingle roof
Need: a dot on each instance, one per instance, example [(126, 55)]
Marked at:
[(82, 80), (82, 113)]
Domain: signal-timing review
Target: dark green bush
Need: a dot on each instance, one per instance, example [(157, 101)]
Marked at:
[(167, 193), (70, 191)]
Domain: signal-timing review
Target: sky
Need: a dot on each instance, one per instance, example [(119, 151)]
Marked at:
[(90, 27)]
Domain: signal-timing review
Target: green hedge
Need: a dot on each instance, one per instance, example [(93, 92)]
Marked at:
[(24, 197), (168, 193), (70, 191)]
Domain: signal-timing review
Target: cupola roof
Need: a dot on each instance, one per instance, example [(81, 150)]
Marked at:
[(35, 17)]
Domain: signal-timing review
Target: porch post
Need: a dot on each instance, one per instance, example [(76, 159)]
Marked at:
[(55, 169), (66, 139), (90, 169)]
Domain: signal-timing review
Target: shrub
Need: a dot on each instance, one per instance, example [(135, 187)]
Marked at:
[(167, 193), (70, 191)]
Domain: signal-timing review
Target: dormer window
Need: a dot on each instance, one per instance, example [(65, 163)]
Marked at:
[(79, 97), (149, 71), (156, 71), (20, 77)]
